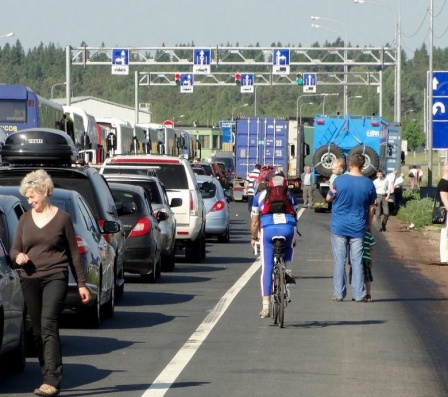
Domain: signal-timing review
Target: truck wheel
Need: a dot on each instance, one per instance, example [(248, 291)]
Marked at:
[(372, 160), (324, 158)]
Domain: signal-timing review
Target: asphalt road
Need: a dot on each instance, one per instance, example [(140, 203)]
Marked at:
[(198, 333)]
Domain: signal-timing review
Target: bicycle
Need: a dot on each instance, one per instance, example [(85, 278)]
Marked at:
[(279, 290)]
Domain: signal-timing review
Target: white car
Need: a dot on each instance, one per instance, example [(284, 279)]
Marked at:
[(180, 183)]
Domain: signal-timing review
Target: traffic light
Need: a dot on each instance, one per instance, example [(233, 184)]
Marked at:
[(238, 78), (177, 78), (299, 79)]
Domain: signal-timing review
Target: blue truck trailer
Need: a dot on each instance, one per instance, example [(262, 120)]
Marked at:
[(263, 140), (342, 136)]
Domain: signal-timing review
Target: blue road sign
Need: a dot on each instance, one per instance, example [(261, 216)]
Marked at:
[(186, 79), (202, 56), (440, 110), (120, 56), (439, 84), (309, 79), (280, 57), (247, 79)]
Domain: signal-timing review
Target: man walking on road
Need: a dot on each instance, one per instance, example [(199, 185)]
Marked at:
[(307, 187), (250, 185), (352, 214), (382, 187)]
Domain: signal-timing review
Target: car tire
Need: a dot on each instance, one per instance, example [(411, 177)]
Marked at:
[(150, 277), (194, 253), (119, 289), (372, 162), (108, 308), (15, 360), (92, 315), (168, 261), (224, 238), (159, 268)]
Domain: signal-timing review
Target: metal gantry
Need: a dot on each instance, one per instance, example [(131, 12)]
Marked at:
[(164, 62)]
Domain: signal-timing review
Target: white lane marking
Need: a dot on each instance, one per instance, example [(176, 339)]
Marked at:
[(168, 376)]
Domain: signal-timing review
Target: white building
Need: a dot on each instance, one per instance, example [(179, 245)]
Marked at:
[(100, 108)]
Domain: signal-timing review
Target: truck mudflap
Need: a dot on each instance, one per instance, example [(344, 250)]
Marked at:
[(320, 203), (239, 192)]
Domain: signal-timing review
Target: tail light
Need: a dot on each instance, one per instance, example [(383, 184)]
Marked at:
[(218, 206), (194, 205), (142, 227), (82, 245)]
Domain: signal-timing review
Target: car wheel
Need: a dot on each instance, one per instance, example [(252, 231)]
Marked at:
[(194, 253), (168, 261), (92, 314), (15, 360), (119, 289), (109, 306), (224, 238), (150, 277), (159, 267)]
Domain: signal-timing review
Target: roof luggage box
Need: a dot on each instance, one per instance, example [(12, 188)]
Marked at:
[(39, 146)]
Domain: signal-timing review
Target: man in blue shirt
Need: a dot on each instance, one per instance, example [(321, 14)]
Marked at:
[(352, 214)]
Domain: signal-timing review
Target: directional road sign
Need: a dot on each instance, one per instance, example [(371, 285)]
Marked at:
[(186, 82), (309, 82), (120, 61), (440, 110), (280, 61), (247, 83), (201, 60)]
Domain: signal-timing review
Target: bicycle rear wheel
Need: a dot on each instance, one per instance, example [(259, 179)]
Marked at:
[(274, 302), (281, 294)]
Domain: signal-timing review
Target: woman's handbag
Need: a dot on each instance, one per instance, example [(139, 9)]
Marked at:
[(438, 214)]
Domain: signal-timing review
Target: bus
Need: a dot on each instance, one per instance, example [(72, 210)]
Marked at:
[(119, 136), (21, 108)]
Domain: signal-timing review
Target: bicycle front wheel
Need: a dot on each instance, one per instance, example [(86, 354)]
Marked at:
[(281, 295)]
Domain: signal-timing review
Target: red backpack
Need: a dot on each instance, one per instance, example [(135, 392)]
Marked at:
[(277, 200)]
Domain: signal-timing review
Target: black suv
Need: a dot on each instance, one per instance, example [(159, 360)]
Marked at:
[(18, 151)]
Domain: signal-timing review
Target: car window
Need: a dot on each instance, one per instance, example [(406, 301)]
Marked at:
[(150, 188), (121, 196), (207, 189), (88, 218), (173, 176)]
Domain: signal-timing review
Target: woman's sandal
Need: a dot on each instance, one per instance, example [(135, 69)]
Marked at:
[(46, 390), (368, 298)]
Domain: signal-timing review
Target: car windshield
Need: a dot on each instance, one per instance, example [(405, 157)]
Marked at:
[(207, 189)]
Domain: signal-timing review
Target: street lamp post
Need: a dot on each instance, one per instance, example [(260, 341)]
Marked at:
[(323, 101), (52, 88), (305, 103), (345, 51), (178, 117), (355, 96), (397, 107), (237, 107)]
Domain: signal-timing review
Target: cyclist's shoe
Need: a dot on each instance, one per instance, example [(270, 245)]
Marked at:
[(264, 312), (288, 277)]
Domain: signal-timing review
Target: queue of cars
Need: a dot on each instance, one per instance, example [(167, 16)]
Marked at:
[(131, 216)]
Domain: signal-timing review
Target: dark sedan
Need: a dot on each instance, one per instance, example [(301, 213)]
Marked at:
[(143, 244), (97, 255)]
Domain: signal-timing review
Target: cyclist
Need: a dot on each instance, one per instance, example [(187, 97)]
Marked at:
[(265, 226)]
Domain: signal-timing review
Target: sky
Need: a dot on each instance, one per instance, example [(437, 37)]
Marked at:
[(153, 23)]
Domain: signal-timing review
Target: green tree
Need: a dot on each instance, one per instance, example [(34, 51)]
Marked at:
[(413, 134)]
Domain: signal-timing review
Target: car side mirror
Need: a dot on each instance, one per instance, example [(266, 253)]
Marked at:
[(162, 216), (228, 195), (110, 227), (176, 202)]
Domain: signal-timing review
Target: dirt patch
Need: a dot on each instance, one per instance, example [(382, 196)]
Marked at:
[(419, 249)]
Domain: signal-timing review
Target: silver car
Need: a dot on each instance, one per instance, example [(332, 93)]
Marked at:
[(160, 203), (217, 208)]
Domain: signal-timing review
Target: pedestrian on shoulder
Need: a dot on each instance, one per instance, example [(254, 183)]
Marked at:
[(250, 185), (307, 187), (382, 187), (413, 176), (44, 247), (337, 169), (398, 192), (442, 198), (352, 214)]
